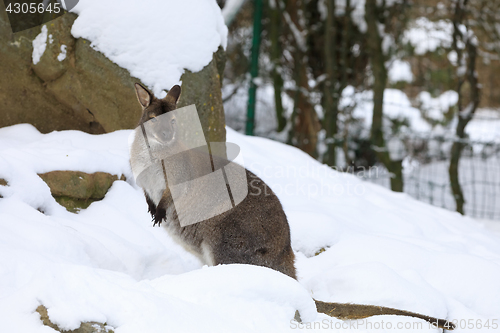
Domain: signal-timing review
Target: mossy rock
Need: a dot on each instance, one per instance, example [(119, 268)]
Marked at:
[(87, 327), (76, 190), (73, 205), (203, 89), (86, 91)]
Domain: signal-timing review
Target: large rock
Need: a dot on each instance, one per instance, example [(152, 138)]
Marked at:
[(23, 96), (85, 90), (204, 90), (95, 88)]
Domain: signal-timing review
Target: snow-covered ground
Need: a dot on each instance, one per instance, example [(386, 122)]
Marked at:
[(485, 126), (108, 264)]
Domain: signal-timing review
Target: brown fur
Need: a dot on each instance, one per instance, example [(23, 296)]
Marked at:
[(255, 232)]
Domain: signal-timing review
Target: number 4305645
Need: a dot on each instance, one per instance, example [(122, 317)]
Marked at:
[(32, 8)]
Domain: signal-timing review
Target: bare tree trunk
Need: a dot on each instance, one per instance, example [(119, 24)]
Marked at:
[(378, 59), (306, 126), (345, 42), (466, 113), (346, 68), (330, 95), (275, 53)]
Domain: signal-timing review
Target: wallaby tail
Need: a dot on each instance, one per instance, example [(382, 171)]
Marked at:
[(358, 311)]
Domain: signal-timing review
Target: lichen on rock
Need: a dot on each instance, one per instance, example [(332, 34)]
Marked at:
[(76, 190)]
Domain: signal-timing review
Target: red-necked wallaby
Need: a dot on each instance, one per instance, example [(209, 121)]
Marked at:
[(254, 232)]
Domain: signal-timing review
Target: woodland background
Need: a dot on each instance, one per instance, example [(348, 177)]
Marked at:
[(390, 84)]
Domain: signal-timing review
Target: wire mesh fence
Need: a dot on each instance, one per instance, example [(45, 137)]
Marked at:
[(426, 174)]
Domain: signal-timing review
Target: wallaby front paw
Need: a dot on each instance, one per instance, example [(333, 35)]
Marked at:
[(159, 216)]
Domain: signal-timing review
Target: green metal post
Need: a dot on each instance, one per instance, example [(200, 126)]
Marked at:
[(254, 67)]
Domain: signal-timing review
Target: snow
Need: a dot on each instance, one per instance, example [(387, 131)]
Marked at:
[(484, 126), (396, 148), (39, 45), (323, 10), (494, 226), (388, 42), (357, 14), (453, 57), (396, 106), (400, 70), (108, 264), (467, 111), (62, 55), (231, 8), (298, 35), (155, 40), (435, 108), (427, 36)]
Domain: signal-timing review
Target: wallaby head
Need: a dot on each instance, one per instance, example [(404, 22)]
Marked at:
[(153, 107)]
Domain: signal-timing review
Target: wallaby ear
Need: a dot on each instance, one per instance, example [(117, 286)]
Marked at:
[(173, 94), (143, 95)]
